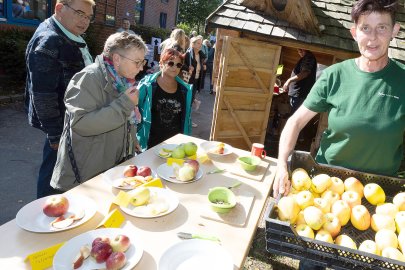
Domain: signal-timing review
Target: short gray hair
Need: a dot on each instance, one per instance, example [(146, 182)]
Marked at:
[(120, 42)]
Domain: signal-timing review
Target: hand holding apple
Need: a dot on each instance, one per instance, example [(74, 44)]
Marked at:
[(56, 206)]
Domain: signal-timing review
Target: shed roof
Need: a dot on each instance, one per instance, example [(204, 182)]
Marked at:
[(334, 15)]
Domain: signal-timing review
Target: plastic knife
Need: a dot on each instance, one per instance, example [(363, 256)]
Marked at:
[(185, 236)]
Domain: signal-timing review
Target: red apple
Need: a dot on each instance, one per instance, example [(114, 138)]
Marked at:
[(101, 251), (130, 171), (120, 243), (56, 206), (144, 171), (193, 163), (116, 261), (104, 239)]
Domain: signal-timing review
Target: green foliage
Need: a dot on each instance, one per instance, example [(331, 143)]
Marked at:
[(147, 32), (194, 12), (186, 27), (13, 43)]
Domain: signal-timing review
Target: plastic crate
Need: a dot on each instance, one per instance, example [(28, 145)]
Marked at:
[(282, 239)]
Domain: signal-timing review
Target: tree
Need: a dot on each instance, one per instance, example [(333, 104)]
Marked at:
[(194, 12)]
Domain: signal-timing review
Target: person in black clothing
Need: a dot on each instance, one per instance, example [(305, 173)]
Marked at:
[(210, 63), (302, 79), (195, 63)]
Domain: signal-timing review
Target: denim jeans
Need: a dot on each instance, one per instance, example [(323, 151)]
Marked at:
[(45, 172)]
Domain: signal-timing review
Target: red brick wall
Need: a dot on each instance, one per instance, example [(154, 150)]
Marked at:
[(153, 8)]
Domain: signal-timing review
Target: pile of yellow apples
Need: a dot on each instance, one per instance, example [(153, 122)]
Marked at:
[(321, 206)]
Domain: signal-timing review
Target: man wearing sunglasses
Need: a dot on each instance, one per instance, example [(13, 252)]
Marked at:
[(54, 54)]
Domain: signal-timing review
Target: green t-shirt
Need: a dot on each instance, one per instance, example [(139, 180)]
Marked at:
[(366, 119)]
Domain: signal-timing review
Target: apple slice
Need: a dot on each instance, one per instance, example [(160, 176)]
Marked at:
[(79, 259), (58, 219), (63, 224), (78, 216)]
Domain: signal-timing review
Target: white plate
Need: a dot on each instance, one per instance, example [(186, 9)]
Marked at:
[(66, 254), (159, 197), (165, 146), (32, 218), (167, 173), (210, 146), (115, 175), (197, 255)]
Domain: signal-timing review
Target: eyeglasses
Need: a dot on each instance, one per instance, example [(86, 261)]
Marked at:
[(81, 14), (171, 64), (139, 63)]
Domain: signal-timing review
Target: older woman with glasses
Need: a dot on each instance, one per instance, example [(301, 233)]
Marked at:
[(164, 102), (101, 112)]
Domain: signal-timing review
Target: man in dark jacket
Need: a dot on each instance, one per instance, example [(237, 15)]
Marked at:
[(54, 54)]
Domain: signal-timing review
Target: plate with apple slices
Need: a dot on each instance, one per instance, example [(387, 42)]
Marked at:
[(216, 149), (126, 241), (151, 202), (32, 216), (187, 173), (165, 150), (128, 177)]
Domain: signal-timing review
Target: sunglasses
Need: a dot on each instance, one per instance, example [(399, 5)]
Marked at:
[(171, 64)]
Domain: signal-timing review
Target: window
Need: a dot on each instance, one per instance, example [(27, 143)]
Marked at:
[(165, 1), (24, 11), (107, 9), (163, 18), (139, 10)]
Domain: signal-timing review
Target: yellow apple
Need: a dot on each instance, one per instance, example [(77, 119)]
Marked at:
[(393, 253), (354, 184), (300, 179), (300, 218), (288, 209), (313, 217), (369, 246), (342, 211), (322, 204), (320, 183), (379, 222), (360, 217), (352, 198), (401, 240), (389, 209), (330, 196), (304, 199), (400, 221), (324, 236), (332, 224), (374, 193), (345, 241), (399, 201), (316, 195), (337, 185), (386, 238), (305, 231)]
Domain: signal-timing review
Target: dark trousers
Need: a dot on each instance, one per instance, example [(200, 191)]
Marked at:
[(45, 172), (196, 87), (295, 103), (209, 71)]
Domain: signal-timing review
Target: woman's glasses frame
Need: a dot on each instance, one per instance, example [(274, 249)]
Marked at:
[(139, 63)]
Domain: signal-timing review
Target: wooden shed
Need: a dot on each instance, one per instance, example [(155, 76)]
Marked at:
[(254, 37)]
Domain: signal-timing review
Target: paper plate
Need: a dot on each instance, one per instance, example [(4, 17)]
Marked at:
[(166, 172), (32, 218), (160, 199), (66, 254), (197, 255), (115, 176), (210, 146), (164, 146)]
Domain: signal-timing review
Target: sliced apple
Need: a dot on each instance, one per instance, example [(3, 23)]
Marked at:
[(63, 224)]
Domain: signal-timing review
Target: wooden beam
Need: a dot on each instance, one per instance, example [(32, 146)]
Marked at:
[(238, 124), (246, 94)]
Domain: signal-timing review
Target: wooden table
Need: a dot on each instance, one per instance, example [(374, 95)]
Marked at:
[(157, 234)]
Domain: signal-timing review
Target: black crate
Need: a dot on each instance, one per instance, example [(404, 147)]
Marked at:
[(282, 239)]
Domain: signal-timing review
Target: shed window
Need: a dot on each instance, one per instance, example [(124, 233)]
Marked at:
[(24, 11), (163, 19)]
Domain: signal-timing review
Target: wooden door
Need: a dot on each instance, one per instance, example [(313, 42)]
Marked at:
[(244, 91)]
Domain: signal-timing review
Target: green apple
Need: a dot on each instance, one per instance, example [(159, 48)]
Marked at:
[(178, 152), (190, 148)]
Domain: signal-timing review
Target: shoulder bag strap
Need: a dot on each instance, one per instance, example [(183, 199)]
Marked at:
[(70, 152)]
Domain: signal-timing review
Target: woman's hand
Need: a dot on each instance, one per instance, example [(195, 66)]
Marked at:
[(133, 94), (191, 69), (281, 183)]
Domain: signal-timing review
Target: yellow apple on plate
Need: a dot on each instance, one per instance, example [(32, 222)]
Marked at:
[(369, 246), (360, 217), (320, 183), (400, 221), (342, 211), (288, 209), (330, 196), (300, 179), (337, 185), (332, 224), (399, 201), (304, 199), (379, 222), (345, 241), (322, 204), (354, 184), (393, 253), (387, 209), (352, 198), (386, 238), (305, 231), (300, 218), (323, 235), (374, 193), (314, 217)]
